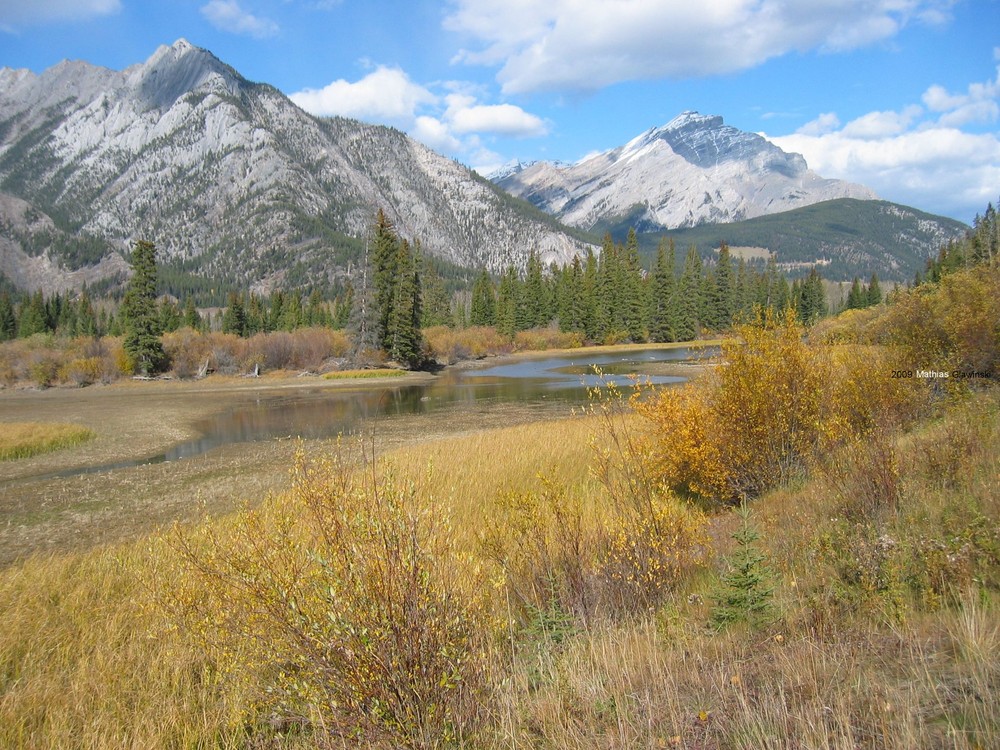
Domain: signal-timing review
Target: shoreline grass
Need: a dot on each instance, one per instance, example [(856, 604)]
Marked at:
[(27, 439)]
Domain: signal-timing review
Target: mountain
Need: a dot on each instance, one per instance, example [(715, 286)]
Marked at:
[(693, 170), (846, 237), (229, 178)]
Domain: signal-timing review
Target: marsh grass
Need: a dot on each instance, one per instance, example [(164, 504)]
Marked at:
[(363, 374), (26, 439)]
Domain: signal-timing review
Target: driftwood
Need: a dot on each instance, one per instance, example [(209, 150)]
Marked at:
[(203, 370)]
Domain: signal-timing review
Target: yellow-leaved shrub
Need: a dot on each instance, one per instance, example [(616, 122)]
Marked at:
[(770, 407)]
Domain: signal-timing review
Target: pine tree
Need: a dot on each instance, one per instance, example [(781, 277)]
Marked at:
[(483, 305), (689, 294), (747, 593), (191, 317), (663, 312), (138, 313), (856, 298), (874, 291), (8, 318)]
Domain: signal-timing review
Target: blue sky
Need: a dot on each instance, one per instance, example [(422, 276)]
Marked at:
[(900, 95)]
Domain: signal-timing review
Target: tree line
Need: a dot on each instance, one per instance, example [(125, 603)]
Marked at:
[(606, 298)]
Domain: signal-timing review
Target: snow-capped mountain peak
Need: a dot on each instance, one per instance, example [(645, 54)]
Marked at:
[(694, 169)]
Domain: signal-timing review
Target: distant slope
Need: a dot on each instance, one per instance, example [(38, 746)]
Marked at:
[(857, 237), (230, 179)]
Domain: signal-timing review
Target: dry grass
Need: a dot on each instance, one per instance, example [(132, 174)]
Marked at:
[(363, 374), (26, 439), (903, 653)]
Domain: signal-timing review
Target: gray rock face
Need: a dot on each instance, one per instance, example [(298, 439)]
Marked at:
[(691, 171), (235, 179)]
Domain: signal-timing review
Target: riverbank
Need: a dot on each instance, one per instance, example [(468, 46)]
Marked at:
[(135, 420)]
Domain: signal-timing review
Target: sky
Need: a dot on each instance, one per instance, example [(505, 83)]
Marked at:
[(902, 96)]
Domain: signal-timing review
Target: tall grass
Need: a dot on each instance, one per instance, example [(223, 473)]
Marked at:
[(24, 439), (454, 606)]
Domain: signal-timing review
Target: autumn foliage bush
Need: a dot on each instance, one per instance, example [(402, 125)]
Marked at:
[(345, 610), (772, 406)]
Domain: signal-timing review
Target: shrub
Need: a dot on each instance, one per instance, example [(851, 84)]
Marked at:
[(187, 350), (765, 413), (349, 610), (449, 345), (542, 339)]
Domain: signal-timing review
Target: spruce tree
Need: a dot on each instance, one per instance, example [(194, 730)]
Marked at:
[(725, 289), (385, 275), (138, 313), (8, 318), (632, 296), (483, 306), (663, 307), (874, 291), (191, 317), (689, 294), (856, 298), (747, 586), (234, 320), (508, 302), (404, 335)]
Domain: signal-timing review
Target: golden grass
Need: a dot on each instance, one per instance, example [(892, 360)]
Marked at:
[(26, 439), (90, 658), (364, 374)]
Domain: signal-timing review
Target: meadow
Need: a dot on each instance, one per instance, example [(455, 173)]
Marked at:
[(575, 582)]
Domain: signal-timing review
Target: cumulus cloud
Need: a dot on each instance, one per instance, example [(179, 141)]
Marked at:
[(917, 156), (385, 95), (505, 119), (14, 13), (584, 45), (453, 122), (435, 134), (228, 15)]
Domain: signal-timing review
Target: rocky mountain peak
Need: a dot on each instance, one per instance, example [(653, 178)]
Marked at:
[(693, 170), (175, 70), (232, 179)]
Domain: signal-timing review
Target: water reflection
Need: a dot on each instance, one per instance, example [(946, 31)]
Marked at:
[(318, 413)]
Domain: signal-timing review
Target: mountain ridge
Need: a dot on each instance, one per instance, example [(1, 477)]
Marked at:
[(693, 170), (233, 180)]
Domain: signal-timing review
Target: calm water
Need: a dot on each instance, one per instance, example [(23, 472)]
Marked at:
[(318, 413)]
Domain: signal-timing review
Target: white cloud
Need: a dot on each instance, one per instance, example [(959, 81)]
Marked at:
[(450, 123), (588, 44), (918, 156), (977, 105), (228, 15), (825, 123), (385, 95), (14, 13), (435, 134), (882, 124), (505, 119)]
